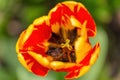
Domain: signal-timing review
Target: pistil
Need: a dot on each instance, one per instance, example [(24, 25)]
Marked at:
[(66, 44)]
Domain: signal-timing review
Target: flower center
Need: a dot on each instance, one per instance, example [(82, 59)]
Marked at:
[(61, 48)]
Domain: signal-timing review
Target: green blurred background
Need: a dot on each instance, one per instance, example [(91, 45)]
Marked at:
[(16, 15)]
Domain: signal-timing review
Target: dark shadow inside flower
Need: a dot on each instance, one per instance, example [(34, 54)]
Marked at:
[(62, 48)]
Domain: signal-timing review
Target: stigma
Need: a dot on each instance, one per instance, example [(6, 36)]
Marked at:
[(61, 46)]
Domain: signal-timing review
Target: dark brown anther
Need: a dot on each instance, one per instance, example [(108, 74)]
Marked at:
[(55, 53)]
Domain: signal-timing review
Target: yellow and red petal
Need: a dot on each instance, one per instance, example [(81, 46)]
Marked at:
[(34, 38), (78, 72), (39, 34), (91, 56), (85, 64), (73, 74), (32, 65), (64, 11), (81, 51), (88, 61), (62, 66), (83, 15), (95, 54)]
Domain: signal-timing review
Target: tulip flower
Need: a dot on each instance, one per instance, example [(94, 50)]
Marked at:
[(59, 41)]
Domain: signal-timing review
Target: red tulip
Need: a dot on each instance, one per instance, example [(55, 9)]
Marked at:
[(59, 41)]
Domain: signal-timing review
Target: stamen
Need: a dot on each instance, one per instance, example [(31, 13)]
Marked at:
[(64, 33), (67, 44), (69, 58)]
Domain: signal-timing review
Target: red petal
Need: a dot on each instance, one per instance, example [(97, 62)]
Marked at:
[(56, 16), (36, 68), (83, 15), (66, 10), (39, 69), (86, 60), (73, 73), (39, 34), (36, 39)]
